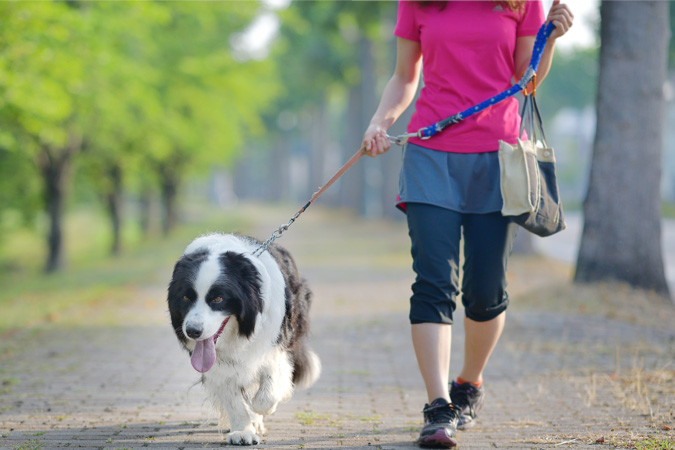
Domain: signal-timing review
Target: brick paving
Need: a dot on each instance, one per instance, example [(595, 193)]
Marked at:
[(555, 381)]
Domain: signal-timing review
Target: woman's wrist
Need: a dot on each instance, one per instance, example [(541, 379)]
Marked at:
[(382, 124)]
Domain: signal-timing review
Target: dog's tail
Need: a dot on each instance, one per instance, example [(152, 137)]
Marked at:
[(306, 367)]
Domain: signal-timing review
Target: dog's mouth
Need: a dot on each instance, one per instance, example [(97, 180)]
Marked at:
[(204, 354)]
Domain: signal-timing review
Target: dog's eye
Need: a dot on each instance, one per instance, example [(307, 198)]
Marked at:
[(185, 297), (217, 300)]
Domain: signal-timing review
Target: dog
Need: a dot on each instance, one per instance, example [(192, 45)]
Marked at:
[(244, 319)]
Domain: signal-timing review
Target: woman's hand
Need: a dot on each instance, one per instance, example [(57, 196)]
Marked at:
[(562, 17), (375, 141)]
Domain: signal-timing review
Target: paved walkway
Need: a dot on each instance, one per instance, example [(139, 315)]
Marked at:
[(557, 380)]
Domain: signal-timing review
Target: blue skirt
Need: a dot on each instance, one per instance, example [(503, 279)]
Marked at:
[(462, 182)]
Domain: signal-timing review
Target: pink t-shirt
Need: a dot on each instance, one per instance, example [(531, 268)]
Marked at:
[(468, 56)]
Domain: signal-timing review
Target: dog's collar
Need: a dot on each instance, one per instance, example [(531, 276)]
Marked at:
[(220, 330)]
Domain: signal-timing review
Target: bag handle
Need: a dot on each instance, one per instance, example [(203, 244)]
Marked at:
[(530, 115)]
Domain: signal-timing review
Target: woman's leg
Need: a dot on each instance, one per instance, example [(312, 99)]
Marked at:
[(431, 342), (480, 339), (435, 234), (488, 240)]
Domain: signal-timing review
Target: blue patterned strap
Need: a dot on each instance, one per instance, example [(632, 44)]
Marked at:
[(539, 44)]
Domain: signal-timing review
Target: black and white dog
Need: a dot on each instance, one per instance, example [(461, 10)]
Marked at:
[(244, 319)]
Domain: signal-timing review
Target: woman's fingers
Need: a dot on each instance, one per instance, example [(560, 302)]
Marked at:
[(562, 18), (375, 141)]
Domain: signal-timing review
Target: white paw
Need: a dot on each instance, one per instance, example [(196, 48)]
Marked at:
[(259, 426), (242, 438)]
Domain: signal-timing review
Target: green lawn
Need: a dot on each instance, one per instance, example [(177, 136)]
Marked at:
[(30, 297)]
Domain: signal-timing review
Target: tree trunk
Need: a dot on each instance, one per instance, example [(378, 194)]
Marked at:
[(278, 172), (145, 203), (352, 182), (114, 203), (371, 203), (55, 167), (622, 213), (318, 138), (361, 186), (54, 175), (169, 188)]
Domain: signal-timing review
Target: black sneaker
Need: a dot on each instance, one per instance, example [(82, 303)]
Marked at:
[(468, 399), (440, 425)]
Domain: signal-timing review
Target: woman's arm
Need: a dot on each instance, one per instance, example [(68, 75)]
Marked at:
[(562, 18), (397, 95)]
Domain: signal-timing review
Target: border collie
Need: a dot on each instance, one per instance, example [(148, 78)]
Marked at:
[(244, 321)]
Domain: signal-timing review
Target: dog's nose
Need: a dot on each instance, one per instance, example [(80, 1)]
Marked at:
[(194, 331)]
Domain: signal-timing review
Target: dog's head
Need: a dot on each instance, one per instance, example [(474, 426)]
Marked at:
[(207, 289)]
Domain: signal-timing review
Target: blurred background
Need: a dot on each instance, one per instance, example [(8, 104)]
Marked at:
[(121, 122)]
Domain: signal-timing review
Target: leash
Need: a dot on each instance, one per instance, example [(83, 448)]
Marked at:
[(530, 73), (427, 132), (280, 231)]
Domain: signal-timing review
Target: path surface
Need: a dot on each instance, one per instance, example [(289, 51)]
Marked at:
[(556, 380)]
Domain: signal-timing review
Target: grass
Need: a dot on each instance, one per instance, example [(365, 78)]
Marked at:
[(30, 298), (616, 301), (656, 444), (33, 444), (312, 418)]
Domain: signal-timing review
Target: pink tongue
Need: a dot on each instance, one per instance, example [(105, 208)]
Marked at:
[(204, 355)]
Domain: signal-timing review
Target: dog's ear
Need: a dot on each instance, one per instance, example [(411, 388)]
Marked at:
[(180, 285), (186, 267), (244, 280)]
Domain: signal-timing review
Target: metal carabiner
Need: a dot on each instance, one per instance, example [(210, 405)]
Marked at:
[(401, 139)]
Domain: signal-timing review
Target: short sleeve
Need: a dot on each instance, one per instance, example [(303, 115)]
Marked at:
[(533, 18), (406, 25)]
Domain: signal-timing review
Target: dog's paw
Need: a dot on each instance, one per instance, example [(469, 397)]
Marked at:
[(259, 426), (242, 438)]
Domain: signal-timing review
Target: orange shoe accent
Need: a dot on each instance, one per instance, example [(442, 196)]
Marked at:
[(463, 381)]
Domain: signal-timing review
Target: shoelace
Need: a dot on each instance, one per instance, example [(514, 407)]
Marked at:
[(439, 413), (461, 396)]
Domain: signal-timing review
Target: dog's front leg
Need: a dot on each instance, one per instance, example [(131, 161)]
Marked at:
[(242, 427), (275, 385)]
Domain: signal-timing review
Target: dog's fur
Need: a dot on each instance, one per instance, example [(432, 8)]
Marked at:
[(261, 354)]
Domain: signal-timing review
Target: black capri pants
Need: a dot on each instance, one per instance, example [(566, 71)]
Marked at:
[(435, 234)]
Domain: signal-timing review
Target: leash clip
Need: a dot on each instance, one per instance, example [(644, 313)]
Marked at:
[(401, 139)]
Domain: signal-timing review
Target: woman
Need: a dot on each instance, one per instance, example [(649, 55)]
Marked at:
[(471, 50)]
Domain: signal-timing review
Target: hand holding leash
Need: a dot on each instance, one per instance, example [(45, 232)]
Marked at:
[(376, 141)]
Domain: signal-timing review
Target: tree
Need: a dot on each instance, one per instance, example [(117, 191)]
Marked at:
[(331, 56), (622, 221), (209, 100), (38, 76)]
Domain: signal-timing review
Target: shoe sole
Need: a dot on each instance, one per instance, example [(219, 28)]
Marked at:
[(466, 425), (438, 440)]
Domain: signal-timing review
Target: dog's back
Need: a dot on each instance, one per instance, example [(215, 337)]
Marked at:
[(295, 326)]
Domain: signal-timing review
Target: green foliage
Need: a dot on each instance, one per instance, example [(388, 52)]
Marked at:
[(144, 88), (40, 78), (317, 50), (571, 82), (19, 191)]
